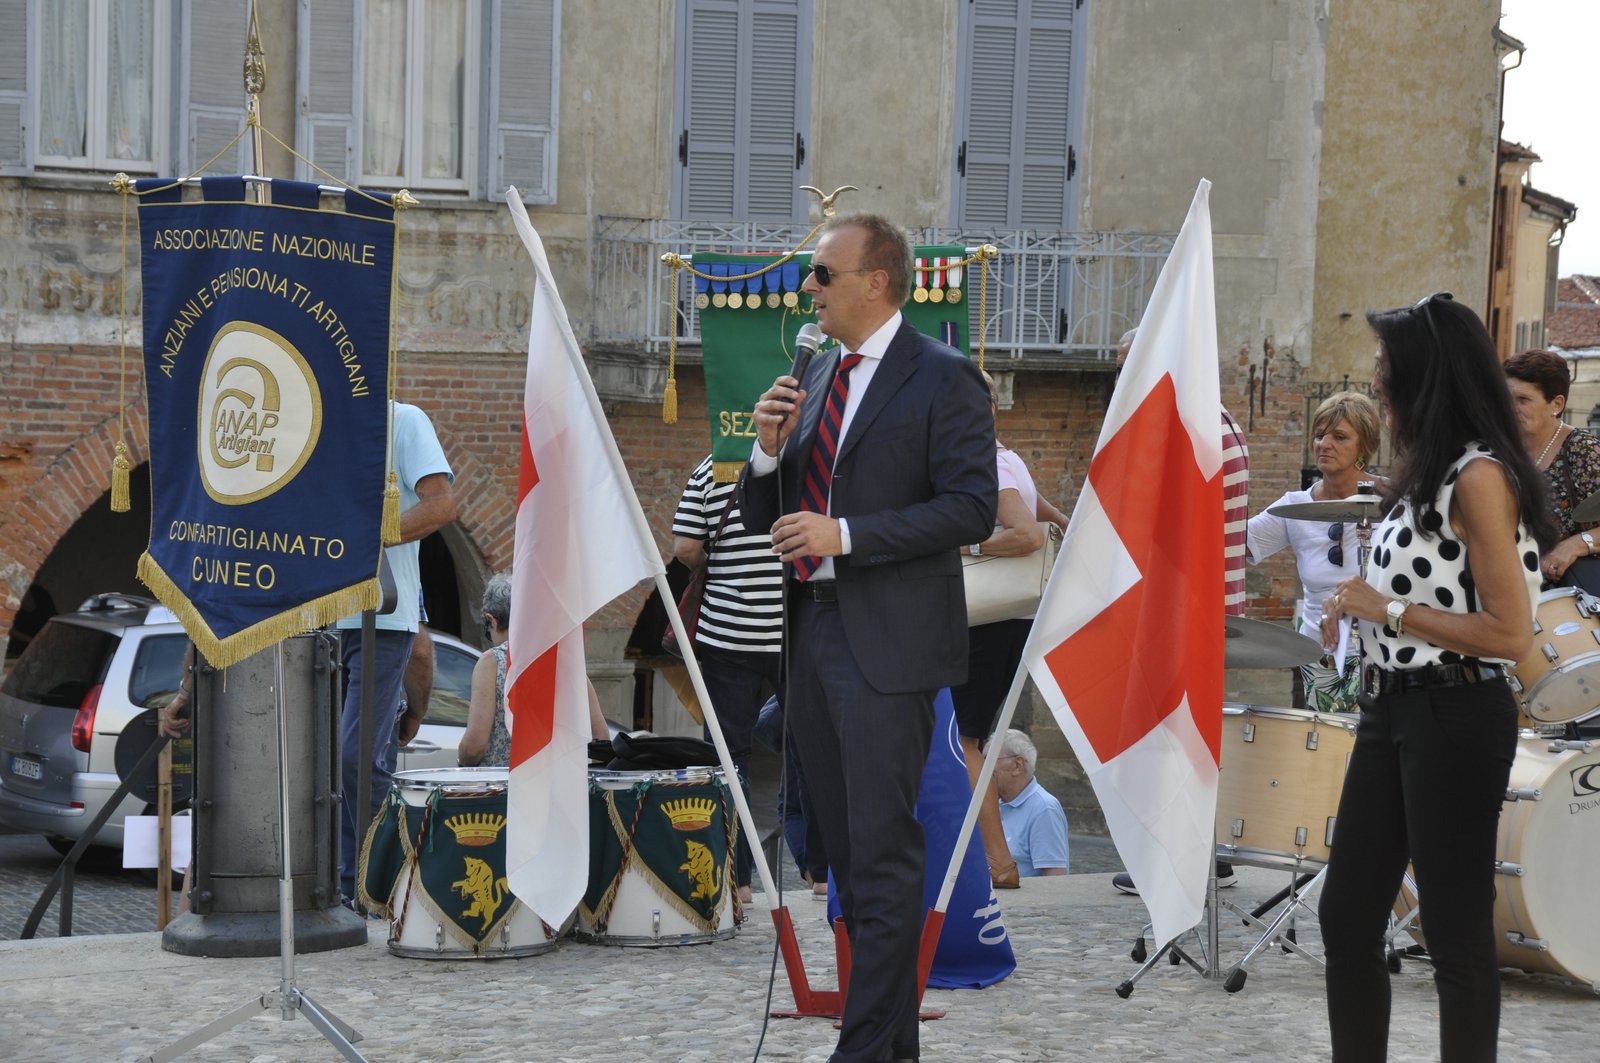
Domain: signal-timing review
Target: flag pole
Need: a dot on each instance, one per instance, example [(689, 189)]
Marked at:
[(746, 821), (991, 756), (642, 530)]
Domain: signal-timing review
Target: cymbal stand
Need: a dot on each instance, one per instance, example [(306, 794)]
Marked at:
[(1281, 929), (287, 998)]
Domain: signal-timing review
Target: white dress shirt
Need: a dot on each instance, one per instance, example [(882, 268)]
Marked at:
[(872, 352)]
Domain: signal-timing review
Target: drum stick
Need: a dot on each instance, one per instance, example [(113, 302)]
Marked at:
[(747, 822)]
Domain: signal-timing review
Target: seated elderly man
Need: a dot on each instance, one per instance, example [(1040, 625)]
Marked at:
[(1035, 825)]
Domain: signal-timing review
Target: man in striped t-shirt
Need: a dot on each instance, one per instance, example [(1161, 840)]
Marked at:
[(741, 617)]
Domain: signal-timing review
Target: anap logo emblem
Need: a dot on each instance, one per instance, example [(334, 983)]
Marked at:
[(260, 414)]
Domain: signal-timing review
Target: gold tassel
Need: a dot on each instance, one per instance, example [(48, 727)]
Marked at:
[(391, 511), (669, 403), (120, 500)]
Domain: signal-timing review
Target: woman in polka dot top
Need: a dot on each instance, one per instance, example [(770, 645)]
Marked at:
[(1447, 601)]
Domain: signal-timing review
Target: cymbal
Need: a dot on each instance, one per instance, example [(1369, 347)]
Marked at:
[(1588, 510), (1354, 508), (1258, 644)]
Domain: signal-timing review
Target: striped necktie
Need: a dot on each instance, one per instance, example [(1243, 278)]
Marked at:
[(819, 470)]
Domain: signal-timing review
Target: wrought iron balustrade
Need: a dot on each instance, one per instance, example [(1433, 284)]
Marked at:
[(1065, 296)]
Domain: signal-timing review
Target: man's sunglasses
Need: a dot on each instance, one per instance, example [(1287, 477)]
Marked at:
[(825, 275)]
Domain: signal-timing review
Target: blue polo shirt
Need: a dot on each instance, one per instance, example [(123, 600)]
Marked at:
[(1036, 830)]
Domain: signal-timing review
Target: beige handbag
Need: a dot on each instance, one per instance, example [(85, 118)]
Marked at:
[(1005, 588)]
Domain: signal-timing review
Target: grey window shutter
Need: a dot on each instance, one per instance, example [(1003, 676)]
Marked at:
[(710, 108), (326, 78), (524, 100), (1017, 97), (213, 97), (14, 104), (744, 96)]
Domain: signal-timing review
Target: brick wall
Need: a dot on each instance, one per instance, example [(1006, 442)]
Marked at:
[(58, 427)]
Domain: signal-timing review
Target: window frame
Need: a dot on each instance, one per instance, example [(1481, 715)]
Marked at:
[(472, 107), (96, 160)]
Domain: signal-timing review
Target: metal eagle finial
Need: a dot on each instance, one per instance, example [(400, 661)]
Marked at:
[(827, 200)]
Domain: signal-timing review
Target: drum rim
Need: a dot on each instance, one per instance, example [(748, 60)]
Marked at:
[(454, 780), (696, 776)]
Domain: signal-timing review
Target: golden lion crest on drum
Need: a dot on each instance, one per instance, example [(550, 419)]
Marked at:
[(702, 869), (485, 891)]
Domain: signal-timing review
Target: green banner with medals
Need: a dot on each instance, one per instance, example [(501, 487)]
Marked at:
[(678, 837), (457, 848), (751, 307)]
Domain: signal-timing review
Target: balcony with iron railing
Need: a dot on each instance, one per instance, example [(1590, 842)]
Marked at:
[(1055, 300)]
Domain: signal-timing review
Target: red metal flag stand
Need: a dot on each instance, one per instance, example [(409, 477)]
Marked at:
[(829, 1003)]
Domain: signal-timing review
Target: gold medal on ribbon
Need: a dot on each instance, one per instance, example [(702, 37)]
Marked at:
[(702, 301), (935, 295), (719, 300), (919, 295), (791, 299), (752, 301), (953, 295), (773, 301), (736, 300)]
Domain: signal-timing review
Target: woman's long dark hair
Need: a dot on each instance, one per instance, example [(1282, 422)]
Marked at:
[(1445, 387)]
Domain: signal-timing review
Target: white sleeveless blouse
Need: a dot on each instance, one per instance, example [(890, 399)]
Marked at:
[(1431, 571)]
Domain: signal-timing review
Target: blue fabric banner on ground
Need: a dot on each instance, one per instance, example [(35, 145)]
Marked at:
[(974, 950), (266, 342)]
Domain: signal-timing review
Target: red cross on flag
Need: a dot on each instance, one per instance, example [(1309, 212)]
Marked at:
[(1128, 644), (581, 540)]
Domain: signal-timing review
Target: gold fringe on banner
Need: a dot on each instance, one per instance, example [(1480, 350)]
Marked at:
[(390, 529), (308, 616)]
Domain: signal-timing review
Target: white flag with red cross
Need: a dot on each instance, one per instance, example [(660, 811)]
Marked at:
[(1127, 648), (581, 540)]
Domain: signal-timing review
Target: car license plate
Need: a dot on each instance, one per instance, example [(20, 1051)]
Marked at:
[(27, 769)]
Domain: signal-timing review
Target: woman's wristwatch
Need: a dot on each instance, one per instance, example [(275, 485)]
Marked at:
[(1588, 540), (1396, 615)]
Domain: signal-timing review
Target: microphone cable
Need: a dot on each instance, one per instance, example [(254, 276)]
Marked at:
[(806, 344)]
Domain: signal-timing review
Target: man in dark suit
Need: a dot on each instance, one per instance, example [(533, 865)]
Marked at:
[(887, 471)]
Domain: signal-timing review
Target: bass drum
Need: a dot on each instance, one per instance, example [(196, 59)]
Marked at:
[(1547, 861)]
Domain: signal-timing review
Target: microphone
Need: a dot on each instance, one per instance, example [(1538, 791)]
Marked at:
[(805, 348)]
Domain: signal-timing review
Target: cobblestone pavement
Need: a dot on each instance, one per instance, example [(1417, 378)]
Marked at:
[(93, 999)]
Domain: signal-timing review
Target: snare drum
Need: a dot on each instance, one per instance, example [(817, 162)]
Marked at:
[(1547, 860), (1559, 680), (661, 868), (1278, 794), (451, 901)]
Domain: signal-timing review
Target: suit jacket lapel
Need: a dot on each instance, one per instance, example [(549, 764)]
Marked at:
[(898, 363)]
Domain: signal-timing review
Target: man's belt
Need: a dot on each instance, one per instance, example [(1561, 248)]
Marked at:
[(815, 590)]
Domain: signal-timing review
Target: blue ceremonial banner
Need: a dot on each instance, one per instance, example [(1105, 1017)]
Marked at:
[(266, 348)]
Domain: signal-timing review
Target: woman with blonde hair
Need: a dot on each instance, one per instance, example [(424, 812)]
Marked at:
[(1344, 434)]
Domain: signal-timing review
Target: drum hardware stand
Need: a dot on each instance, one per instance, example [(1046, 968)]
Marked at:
[(1205, 945), (288, 998), (1295, 894)]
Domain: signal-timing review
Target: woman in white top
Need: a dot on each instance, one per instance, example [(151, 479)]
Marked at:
[(1344, 437), (1447, 603)]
